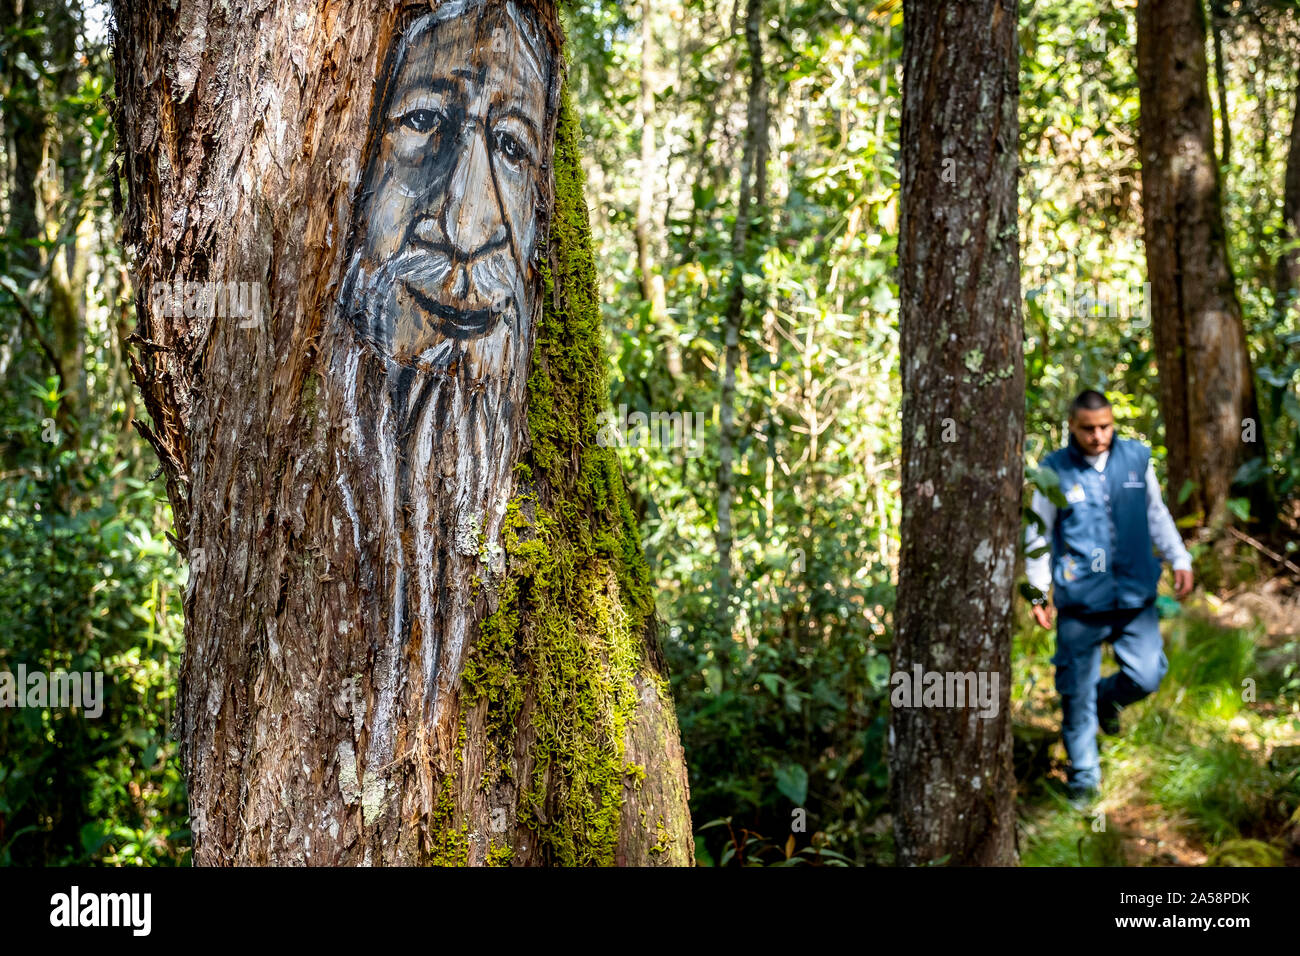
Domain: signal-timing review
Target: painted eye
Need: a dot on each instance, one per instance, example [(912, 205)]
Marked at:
[(511, 148), (422, 121)]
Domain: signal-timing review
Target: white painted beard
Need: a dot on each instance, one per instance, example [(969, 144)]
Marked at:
[(437, 450)]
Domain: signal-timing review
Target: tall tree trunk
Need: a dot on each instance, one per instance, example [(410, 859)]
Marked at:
[(25, 127), (1261, 91), (1286, 284), (652, 282), (1221, 83), (1207, 391), (753, 188), (45, 204), (652, 285), (419, 627), (64, 204), (952, 781)]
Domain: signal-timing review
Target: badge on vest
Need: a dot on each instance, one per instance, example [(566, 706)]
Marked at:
[(1133, 481), (1075, 494)]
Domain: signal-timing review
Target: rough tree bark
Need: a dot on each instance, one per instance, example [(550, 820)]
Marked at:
[(1207, 390), (951, 776), (419, 628)]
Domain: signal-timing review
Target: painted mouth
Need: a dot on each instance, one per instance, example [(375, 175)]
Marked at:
[(453, 322)]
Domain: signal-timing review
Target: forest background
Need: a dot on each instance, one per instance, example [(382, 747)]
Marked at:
[(781, 684)]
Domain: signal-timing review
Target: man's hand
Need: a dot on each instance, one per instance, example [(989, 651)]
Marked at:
[(1182, 583), (1043, 615)]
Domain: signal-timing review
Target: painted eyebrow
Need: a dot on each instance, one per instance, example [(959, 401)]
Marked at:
[(416, 87), (515, 113)]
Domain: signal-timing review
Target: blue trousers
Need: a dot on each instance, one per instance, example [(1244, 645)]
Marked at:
[(1135, 635)]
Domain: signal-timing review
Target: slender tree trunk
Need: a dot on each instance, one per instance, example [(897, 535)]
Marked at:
[(1221, 83), (1261, 91), (25, 127), (1207, 391), (652, 289), (419, 627), (44, 192), (753, 187), (63, 205), (709, 175), (952, 781), (652, 283), (1286, 285)]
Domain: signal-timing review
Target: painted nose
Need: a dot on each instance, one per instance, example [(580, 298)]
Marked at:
[(471, 212)]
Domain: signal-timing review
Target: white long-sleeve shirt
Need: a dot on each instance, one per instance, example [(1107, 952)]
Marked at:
[(1164, 533)]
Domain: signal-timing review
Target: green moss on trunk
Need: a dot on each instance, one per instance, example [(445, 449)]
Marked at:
[(569, 634)]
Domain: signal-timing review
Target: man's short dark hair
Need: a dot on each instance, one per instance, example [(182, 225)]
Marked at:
[(1088, 400)]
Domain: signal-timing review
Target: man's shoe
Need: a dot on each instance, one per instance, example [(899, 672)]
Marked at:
[(1082, 798), (1108, 720)]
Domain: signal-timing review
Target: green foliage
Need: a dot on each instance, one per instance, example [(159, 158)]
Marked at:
[(785, 712), (1082, 262), (90, 590), (88, 581), (743, 847)]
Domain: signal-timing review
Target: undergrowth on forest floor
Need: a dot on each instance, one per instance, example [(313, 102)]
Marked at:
[(1206, 770)]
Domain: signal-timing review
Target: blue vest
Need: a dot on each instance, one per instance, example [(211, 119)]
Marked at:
[(1101, 546)]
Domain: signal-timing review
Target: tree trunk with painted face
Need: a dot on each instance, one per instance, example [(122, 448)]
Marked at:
[(951, 779), (419, 627), (1207, 389)]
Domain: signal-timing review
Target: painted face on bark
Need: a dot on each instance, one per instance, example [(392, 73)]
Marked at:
[(448, 215), (441, 292)]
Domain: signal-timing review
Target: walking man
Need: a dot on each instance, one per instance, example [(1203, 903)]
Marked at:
[(1103, 575)]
